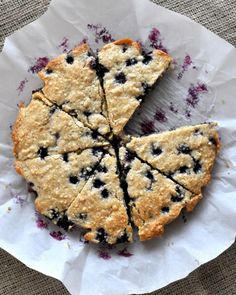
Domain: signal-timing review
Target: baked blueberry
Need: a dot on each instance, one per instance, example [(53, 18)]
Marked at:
[(73, 179), (131, 62), (165, 209), (93, 64), (52, 110), (49, 71), (105, 193), (101, 168), (98, 183), (97, 150), (156, 151), (101, 235), (70, 59), (53, 214), (124, 48), (43, 152), (120, 78), (57, 135), (72, 113), (122, 239), (183, 169), (83, 216), (64, 222), (212, 140), (184, 149), (197, 166), (87, 113), (147, 59), (94, 134), (65, 157), (149, 175)]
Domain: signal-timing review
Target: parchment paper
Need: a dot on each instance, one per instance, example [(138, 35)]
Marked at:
[(201, 87)]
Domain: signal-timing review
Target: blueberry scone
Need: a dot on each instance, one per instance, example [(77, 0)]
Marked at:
[(155, 200), (100, 207), (128, 74), (71, 82), (42, 128), (186, 154), (58, 179)]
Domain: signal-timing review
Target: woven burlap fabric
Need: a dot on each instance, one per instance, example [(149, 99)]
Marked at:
[(217, 276)]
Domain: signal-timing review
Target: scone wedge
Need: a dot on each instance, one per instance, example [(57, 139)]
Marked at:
[(42, 129), (155, 200), (127, 75), (71, 82), (186, 154), (100, 207)]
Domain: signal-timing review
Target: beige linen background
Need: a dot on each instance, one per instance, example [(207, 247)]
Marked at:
[(217, 276)]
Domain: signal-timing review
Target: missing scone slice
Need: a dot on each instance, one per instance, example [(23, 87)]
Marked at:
[(100, 207), (42, 129), (71, 82), (155, 200), (186, 155), (127, 75)]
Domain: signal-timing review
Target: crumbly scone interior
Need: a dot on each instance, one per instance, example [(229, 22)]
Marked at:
[(127, 75), (71, 82), (155, 200)]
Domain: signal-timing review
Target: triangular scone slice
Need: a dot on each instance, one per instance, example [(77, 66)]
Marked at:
[(186, 154), (42, 129), (155, 200), (58, 179), (70, 81), (100, 207), (127, 76)]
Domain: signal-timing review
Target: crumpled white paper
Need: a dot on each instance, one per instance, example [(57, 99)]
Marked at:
[(201, 87)]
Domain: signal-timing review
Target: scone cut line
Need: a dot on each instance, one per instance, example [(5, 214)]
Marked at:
[(70, 146)]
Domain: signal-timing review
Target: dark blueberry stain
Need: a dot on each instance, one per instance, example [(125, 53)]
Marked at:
[(197, 166), (212, 140), (101, 235), (194, 92), (183, 169), (43, 152), (122, 239), (165, 209), (83, 216), (131, 62), (160, 116), (105, 193), (147, 59), (70, 59), (98, 183), (64, 222), (65, 157), (156, 151), (184, 149), (120, 78), (147, 127), (87, 113), (49, 71), (101, 168), (73, 179)]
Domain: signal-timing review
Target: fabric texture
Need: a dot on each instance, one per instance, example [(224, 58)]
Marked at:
[(215, 277)]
